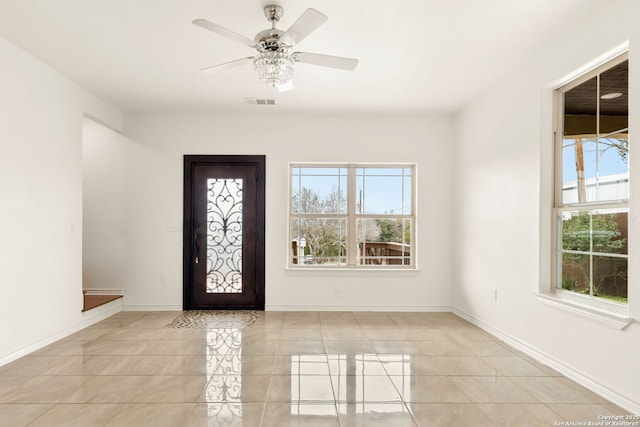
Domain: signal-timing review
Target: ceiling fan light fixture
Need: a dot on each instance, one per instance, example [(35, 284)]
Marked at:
[(274, 68)]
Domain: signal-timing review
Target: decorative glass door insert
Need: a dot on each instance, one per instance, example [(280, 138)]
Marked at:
[(224, 235)]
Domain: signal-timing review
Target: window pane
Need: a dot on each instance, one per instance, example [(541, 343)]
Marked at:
[(383, 190), (610, 278), (384, 241), (580, 109), (319, 190), (319, 240), (576, 231), (613, 168), (610, 231), (595, 232), (614, 100), (575, 273)]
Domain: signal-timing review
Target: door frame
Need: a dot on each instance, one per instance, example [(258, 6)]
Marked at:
[(190, 161)]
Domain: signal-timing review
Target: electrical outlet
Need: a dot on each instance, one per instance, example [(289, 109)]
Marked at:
[(338, 292), (495, 294)]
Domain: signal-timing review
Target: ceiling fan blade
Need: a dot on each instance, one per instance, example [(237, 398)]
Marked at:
[(304, 25), (218, 29), (227, 65), (340, 62)]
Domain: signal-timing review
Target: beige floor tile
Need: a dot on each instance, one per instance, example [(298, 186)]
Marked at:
[(63, 348), (171, 389), (152, 414), (449, 414), (300, 322), (341, 334), (515, 366), (337, 324), (430, 389), (8, 384), (301, 347), (288, 368), (376, 323), (108, 389), (301, 364), (152, 322), (557, 390), (87, 335), (584, 412), (493, 390), (299, 414), (112, 348), (476, 348), (308, 334), (425, 334), (400, 347), (261, 334), (354, 347), (300, 388), (373, 414), (113, 323), (403, 364), (47, 365), (356, 364), (386, 334), (521, 415), (225, 414), (95, 415), (364, 388), (19, 415), (259, 347), (44, 389), (470, 334), (464, 365), (236, 388)]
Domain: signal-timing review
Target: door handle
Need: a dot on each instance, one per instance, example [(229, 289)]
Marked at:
[(197, 248)]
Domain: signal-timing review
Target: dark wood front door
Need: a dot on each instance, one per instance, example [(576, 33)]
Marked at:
[(224, 203)]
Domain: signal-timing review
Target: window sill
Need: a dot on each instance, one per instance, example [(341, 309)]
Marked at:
[(362, 269), (572, 304)]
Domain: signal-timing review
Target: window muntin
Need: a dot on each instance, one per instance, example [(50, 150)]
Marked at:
[(352, 215), (592, 190)]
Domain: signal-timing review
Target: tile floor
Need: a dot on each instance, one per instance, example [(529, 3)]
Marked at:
[(287, 369)]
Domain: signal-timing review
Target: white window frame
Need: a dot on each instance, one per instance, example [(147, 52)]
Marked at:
[(352, 217), (611, 312)]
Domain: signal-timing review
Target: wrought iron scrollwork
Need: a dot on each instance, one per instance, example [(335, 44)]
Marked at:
[(224, 235)]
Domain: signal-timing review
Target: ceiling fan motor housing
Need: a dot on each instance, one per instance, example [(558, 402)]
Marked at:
[(270, 40)]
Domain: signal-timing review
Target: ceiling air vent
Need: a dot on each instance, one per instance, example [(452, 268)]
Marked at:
[(254, 101)]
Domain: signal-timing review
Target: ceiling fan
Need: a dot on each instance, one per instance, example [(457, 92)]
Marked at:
[(274, 60)]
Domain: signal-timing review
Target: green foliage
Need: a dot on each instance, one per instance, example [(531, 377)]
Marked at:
[(589, 273), (581, 228), (569, 283), (392, 230)]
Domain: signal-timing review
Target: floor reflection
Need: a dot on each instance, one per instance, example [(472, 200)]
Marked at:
[(224, 368)]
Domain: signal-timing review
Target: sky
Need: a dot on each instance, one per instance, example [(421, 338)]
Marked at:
[(382, 190)]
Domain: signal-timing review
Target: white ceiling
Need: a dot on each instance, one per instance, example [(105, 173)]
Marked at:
[(415, 55)]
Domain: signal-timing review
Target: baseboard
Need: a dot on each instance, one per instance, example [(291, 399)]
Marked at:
[(569, 372), (96, 291), (424, 309), (145, 307), (89, 318)]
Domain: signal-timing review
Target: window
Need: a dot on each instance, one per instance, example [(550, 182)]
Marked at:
[(352, 215), (592, 184)]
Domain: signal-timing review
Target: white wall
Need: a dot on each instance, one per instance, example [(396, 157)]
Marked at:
[(502, 218), (40, 201), (156, 199)]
